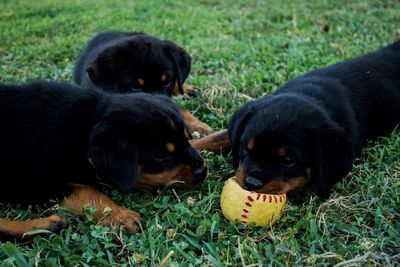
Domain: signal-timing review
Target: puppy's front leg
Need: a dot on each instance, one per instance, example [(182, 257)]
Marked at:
[(195, 125), (83, 196), (10, 229), (217, 142)]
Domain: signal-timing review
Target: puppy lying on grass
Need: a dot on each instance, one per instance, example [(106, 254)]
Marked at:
[(308, 133), (61, 141)]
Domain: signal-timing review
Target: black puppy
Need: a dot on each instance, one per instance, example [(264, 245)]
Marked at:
[(126, 62), (309, 132), (54, 134), (132, 61)]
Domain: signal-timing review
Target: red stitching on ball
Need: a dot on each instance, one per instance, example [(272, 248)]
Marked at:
[(258, 196), (280, 198), (250, 198), (248, 204), (245, 210), (264, 198), (244, 215), (276, 200), (270, 199), (244, 221)]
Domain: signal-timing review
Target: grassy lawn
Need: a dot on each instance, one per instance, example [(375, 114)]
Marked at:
[(241, 50)]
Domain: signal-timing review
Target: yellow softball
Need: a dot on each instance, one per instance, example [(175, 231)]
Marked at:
[(244, 206)]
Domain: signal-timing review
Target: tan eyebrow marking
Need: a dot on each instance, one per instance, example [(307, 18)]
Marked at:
[(170, 147), (250, 144), (163, 77), (282, 151), (141, 81)]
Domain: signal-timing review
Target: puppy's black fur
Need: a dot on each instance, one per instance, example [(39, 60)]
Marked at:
[(53, 134), (311, 130), (132, 61)]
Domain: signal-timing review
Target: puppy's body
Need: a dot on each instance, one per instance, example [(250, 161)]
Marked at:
[(56, 139), (361, 95), (132, 61), (311, 130), (54, 134), (44, 139)]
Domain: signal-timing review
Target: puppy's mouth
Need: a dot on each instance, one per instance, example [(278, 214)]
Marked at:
[(290, 186), (180, 176), (255, 184), (252, 183), (273, 187)]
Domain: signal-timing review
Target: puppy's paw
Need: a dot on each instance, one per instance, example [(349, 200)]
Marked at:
[(200, 127), (54, 223), (126, 218), (193, 92)]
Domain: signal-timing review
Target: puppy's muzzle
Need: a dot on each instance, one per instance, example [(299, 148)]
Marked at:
[(251, 183)]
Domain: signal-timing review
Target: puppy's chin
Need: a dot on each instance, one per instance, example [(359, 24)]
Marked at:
[(292, 185), (179, 177), (278, 186), (275, 187)]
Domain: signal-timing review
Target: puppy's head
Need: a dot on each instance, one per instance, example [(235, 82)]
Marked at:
[(141, 63), (140, 140), (285, 144)]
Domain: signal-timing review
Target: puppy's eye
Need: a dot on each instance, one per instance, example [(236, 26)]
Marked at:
[(289, 161)]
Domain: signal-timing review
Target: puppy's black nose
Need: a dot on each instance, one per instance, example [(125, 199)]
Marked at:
[(251, 183), (200, 173)]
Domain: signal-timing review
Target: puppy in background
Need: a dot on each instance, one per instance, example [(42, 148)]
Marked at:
[(308, 133), (126, 62)]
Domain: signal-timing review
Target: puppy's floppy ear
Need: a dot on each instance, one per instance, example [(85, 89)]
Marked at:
[(181, 60), (334, 158), (103, 71), (114, 157), (236, 127)]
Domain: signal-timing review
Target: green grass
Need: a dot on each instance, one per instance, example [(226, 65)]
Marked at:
[(241, 50)]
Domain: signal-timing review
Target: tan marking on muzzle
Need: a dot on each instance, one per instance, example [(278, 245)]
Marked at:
[(241, 174), (296, 184)]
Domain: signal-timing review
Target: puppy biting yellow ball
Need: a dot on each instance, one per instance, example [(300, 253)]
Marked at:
[(240, 205)]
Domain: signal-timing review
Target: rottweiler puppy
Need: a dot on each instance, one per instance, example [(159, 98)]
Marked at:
[(308, 133), (60, 141), (125, 62)]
